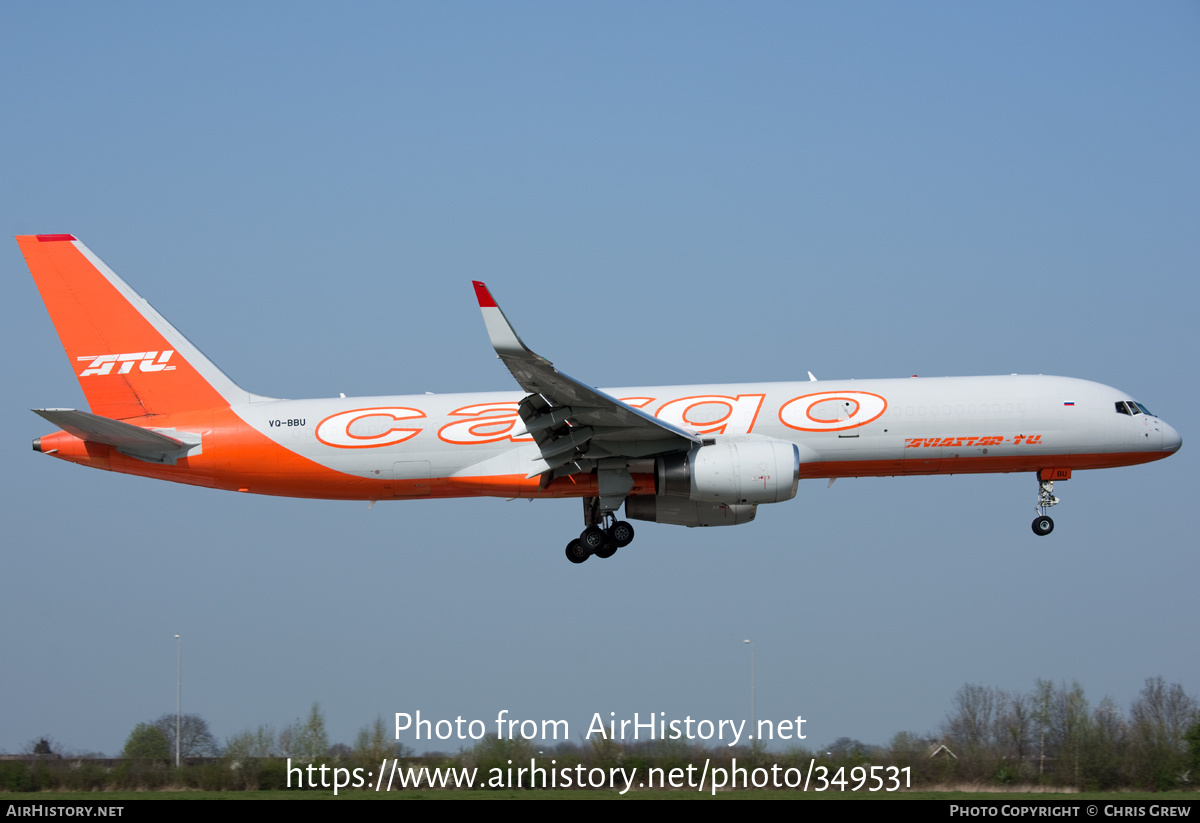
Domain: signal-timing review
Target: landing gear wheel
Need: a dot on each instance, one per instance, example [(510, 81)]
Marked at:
[(593, 539), (1042, 526), (576, 552), (621, 533), (607, 550)]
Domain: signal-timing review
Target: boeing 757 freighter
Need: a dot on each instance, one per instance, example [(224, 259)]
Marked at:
[(705, 455)]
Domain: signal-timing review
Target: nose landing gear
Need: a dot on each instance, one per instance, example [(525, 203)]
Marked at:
[(1042, 524)]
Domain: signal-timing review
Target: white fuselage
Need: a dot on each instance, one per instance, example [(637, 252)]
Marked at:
[(843, 428)]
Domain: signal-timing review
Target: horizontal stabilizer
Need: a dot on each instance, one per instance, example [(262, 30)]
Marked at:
[(144, 444)]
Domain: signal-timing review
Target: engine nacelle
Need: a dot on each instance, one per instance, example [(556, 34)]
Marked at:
[(675, 511), (739, 470)]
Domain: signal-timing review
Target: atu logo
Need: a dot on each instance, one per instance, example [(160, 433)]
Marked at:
[(103, 364), (832, 411)]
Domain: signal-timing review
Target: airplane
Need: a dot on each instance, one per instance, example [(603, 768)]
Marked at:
[(698, 455)]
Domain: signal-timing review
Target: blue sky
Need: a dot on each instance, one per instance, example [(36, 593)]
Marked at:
[(656, 194)]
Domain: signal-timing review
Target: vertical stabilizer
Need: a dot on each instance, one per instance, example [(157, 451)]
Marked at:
[(130, 362)]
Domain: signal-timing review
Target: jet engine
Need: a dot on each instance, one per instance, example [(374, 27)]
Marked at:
[(733, 471)]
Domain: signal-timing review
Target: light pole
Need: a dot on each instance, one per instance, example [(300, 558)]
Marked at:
[(178, 691), (753, 719)]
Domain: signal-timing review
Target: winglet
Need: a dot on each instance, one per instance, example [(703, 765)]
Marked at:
[(504, 339), (486, 301)]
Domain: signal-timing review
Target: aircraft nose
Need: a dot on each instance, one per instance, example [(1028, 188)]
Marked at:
[(1171, 441)]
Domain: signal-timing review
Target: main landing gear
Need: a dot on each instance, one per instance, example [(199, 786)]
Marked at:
[(1042, 524), (602, 541)]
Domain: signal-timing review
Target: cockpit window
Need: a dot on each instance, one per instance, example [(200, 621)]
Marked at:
[(1131, 408)]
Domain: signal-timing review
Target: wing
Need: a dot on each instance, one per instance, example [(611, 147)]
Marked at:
[(574, 425)]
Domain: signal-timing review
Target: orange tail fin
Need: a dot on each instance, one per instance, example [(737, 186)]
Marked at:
[(130, 362)]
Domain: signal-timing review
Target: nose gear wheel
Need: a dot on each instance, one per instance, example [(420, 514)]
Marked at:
[(1042, 524)]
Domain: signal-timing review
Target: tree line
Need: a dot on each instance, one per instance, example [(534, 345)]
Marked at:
[(1050, 736)]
